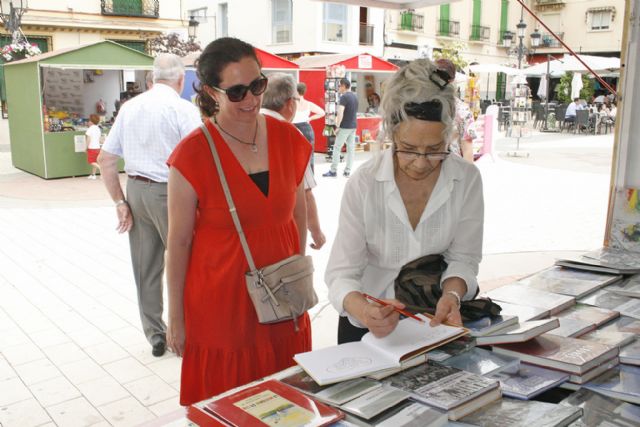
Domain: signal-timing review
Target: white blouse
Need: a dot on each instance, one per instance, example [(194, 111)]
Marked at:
[(375, 238)]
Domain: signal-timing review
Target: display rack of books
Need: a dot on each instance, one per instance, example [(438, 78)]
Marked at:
[(331, 98), (520, 116)]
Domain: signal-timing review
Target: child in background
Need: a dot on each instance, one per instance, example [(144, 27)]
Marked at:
[(92, 138)]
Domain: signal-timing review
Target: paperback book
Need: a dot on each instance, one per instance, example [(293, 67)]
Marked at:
[(612, 338), (570, 355), (447, 388), (572, 328), (520, 332), (452, 348), (517, 293), (621, 383), (483, 362), (272, 403), (488, 325), (605, 260), (600, 410), (597, 316), (593, 373), (406, 414), (523, 413), (529, 381), (624, 305), (630, 354), (355, 359), (375, 402), (623, 324), (629, 287), (568, 281), (524, 312)]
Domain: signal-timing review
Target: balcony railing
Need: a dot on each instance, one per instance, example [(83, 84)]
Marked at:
[(411, 21), (480, 33), (139, 8), (549, 4), (366, 34), (448, 28), (547, 40)]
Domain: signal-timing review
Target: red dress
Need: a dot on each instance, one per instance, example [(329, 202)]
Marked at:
[(225, 345)]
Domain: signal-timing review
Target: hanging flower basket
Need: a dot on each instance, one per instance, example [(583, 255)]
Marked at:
[(18, 51)]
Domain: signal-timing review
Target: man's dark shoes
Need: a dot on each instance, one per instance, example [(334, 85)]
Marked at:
[(330, 174), (159, 348), (346, 174)]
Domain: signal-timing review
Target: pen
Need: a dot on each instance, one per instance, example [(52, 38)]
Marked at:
[(399, 310)]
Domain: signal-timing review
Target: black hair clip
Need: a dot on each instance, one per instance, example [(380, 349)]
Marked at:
[(440, 78), (430, 110)]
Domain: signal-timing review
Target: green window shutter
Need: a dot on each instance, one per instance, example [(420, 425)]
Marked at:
[(504, 15), (444, 19), (135, 45), (127, 7), (475, 23), (501, 85)]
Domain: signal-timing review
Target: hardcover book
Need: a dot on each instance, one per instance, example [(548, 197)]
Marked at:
[(612, 338), (567, 281), (593, 373), (630, 354), (529, 381), (565, 354), (446, 388), (600, 410), (483, 362), (355, 359), (595, 315), (272, 403), (572, 328), (373, 403), (524, 312), (452, 348), (523, 413), (406, 414), (623, 324), (624, 305), (488, 325), (629, 287), (621, 383), (520, 332), (605, 260), (519, 294)]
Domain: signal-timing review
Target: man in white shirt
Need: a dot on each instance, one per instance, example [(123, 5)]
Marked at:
[(145, 133), (280, 101), (570, 114)]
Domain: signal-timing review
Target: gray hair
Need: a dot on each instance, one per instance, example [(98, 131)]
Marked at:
[(412, 84), (167, 67), (148, 78), (280, 89)]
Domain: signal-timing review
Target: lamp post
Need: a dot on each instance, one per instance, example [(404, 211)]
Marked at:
[(11, 19), (192, 28), (520, 50)]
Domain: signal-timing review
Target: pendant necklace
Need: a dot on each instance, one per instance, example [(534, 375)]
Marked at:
[(254, 147)]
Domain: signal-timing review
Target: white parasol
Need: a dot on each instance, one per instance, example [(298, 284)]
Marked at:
[(542, 89), (576, 85)]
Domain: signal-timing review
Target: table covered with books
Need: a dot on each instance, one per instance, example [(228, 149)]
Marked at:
[(564, 351)]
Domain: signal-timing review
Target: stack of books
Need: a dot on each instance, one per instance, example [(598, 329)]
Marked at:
[(518, 293)]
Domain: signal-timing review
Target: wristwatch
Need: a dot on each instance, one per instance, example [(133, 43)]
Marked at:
[(456, 295), (120, 202)]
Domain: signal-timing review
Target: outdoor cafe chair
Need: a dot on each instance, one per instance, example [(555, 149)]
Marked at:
[(583, 124)]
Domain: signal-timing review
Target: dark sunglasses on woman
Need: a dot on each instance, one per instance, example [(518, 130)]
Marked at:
[(238, 92)]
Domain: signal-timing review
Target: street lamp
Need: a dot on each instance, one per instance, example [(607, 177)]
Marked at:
[(192, 28), (11, 18), (520, 50)]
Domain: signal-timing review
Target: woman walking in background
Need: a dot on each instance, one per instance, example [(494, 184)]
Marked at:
[(307, 111)]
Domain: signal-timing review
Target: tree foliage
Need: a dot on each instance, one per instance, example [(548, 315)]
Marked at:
[(564, 88), (172, 43), (452, 51)]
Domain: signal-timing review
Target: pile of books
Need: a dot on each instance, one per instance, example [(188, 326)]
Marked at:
[(576, 328)]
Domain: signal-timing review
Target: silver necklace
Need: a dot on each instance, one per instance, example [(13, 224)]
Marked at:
[(254, 147)]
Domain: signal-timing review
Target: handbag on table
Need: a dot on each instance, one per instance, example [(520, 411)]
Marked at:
[(281, 291)]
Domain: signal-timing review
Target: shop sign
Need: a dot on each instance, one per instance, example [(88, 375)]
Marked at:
[(365, 61)]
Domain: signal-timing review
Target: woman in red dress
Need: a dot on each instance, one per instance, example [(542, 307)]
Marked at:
[(212, 322)]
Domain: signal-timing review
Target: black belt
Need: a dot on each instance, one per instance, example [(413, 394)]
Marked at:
[(143, 179)]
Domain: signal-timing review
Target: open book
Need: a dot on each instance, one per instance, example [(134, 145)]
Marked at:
[(351, 360)]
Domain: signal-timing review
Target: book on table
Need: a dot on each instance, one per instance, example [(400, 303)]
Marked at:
[(597, 316), (565, 354), (517, 293), (523, 413), (594, 372), (405, 364), (406, 414), (629, 287), (612, 338), (621, 383), (568, 281), (630, 354), (452, 348), (529, 381), (623, 324), (605, 260), (272, 403), (447, 388), (489, 324), (571, 328), (601, 410), (523, 312), (626, 306), (355, 359), (519, 332), (483, 362), (375, 402)]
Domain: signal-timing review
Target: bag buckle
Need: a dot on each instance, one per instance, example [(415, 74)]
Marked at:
[(261, 282)]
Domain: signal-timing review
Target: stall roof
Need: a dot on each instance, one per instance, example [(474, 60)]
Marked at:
[(392, 4), (103, 54), (267, 59), (349, 60)]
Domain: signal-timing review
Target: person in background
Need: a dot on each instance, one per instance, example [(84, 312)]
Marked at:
[(463, 144), (373, 99), (148, 79), (92, 138), (570, 114), (347, 123), (306, 112), (280, 100), (407, 202), (144, 134), (212, 321)]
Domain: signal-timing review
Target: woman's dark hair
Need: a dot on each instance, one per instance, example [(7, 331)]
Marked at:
[(302, 88), (216, 56)]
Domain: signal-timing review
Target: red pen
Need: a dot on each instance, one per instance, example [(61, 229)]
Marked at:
[(399, 310)]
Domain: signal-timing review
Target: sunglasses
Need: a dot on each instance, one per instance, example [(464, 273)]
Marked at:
[(238, 92), (440, 78)]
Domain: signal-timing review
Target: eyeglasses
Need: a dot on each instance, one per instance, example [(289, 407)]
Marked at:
[(238, 92), (410, 156)]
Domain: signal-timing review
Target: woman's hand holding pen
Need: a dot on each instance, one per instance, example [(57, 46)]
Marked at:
[(380, 320)]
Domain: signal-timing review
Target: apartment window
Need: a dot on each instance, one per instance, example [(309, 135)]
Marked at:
[(223, 20), (199, 15), (281, 21), (600, 19), (335, 22)]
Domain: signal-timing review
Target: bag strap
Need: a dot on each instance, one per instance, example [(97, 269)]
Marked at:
[(227, 194)]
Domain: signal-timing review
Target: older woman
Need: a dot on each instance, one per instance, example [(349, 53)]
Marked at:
[(212, 322), (413, 200)]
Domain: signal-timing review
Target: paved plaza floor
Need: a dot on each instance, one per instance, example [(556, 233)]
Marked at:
[(71, 348)]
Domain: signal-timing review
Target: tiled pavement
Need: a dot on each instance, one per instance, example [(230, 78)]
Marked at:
[(71, 348)]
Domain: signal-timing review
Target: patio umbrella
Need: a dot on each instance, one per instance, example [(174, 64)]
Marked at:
[(542, 89), (576, 85)]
